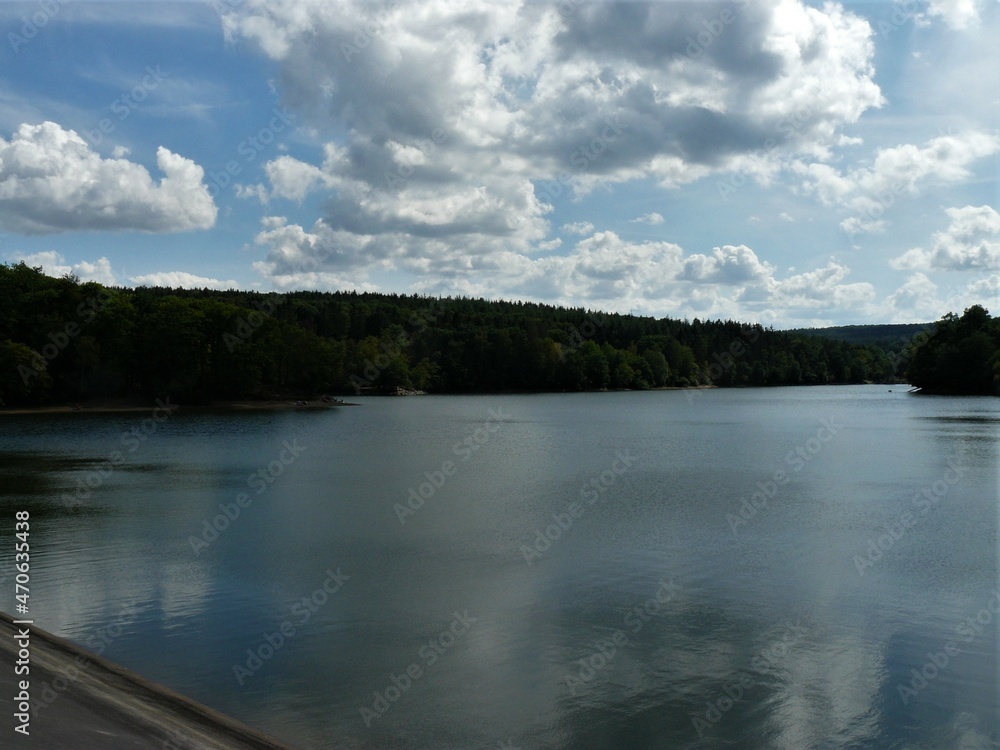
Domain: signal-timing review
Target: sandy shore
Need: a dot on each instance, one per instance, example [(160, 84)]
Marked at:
[(103, 705)]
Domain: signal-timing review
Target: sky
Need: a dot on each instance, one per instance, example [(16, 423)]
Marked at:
[(785, 162)]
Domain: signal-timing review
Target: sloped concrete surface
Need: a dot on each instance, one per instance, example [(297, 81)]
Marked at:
[(106, 706)]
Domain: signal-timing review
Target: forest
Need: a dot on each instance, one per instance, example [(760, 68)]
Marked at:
[(64, 341), (961, 355)]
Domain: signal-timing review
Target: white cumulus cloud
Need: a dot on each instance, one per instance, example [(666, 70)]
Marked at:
[(54, 264), (578, 227), (52, 181), (726, 265), (182, 280), (602, 270), (651, 218), (451, 129), (870, 191), (971, 241), (958, 14)]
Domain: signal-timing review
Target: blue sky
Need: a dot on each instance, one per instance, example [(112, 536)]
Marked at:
[(787, 162)]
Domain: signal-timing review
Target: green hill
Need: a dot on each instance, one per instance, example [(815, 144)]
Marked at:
[(895, 339), (885, 336)]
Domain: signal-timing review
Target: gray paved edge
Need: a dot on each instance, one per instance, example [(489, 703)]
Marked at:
[(108, 706)]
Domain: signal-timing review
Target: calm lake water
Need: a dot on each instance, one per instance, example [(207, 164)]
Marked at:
[(578, 575)]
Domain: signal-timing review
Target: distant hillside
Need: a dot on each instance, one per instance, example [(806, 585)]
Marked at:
[(891, 337)]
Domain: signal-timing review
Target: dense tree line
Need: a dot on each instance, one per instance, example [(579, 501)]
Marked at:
[(962, 355), (62, 340)]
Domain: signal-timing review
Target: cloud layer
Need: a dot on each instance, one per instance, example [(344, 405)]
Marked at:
[(527, 149), (449, 124), (609, 272), (451, 131)]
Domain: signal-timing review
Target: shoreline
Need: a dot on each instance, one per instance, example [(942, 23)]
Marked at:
[(126, 406), (132, 407)]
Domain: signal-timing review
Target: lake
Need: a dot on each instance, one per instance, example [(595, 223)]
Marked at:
[(747, 568)]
